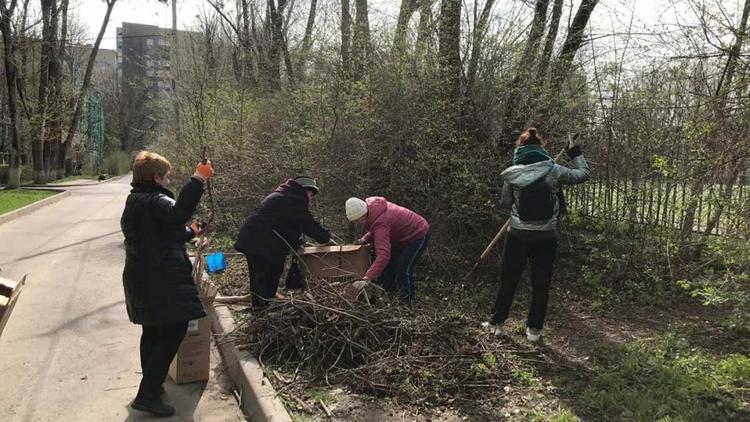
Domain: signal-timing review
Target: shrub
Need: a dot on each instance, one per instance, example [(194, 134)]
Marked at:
[(116, 163)]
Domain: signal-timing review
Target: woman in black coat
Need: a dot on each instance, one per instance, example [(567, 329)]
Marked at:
[(275, 228), (160, 293)]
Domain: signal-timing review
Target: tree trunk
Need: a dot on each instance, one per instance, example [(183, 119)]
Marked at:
[(361, 40), (535, 35), (279, 41), (573, 43), (724, 86), (402, 24), (39, 149), (307, 39), (424, 30), (58, 155), (346, 37), (9, 59), (449, 48), (519, 105), (249, 73), (549, 43), (480, 29), (724, 199), (80, 100), (273, 68)]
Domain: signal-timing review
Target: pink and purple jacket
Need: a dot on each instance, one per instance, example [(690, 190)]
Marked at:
[(390, 226)]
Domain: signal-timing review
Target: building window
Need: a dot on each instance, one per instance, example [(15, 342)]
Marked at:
[(149, 42)]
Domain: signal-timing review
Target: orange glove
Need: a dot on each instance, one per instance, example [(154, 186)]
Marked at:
[(205, 170), (196, 228)]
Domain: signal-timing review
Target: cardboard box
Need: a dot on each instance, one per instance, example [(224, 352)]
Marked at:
[(335, 263), (193, 360)]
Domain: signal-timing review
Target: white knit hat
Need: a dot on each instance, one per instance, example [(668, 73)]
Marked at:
[(355, 208)]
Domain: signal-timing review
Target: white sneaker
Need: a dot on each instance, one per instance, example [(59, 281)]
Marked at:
[(496, 329), (533, 335)]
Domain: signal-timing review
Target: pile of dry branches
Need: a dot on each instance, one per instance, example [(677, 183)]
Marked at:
[(383, 348)]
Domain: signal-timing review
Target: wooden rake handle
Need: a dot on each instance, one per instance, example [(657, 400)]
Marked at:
[(496, 239)]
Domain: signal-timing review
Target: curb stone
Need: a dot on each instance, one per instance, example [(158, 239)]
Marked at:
[(12, 215), (259, 400)]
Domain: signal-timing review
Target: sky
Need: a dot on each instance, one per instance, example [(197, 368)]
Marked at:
[(609, 14)]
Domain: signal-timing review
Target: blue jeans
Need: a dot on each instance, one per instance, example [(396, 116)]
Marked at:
[(399, 273)]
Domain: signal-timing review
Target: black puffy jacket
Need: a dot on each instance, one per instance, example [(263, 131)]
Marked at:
[(276, 225), (158, 282)]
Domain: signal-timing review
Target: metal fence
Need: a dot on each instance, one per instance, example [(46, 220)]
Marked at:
[(659, 201)]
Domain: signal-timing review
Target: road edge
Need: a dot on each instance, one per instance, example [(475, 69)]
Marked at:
[(259, 400), (28, 209)]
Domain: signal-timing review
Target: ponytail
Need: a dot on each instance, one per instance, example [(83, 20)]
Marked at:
[(529, 136)]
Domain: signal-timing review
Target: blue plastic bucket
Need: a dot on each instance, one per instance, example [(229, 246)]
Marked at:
[(216, 262)]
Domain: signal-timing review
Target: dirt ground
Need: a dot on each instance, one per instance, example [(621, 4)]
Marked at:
[(548, 378)]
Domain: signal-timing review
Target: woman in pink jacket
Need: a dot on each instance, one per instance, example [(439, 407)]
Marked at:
[(400, 236)]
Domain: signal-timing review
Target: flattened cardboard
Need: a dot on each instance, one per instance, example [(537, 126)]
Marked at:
[(335, 262)]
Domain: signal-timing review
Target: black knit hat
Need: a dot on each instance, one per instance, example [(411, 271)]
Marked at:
[(308, 182)]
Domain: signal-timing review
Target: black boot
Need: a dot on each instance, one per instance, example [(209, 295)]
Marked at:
[(155, 406)]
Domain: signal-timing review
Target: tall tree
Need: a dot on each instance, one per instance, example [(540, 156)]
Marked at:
[(346, 37), (407, 9), (573, 43), (724, 156), (549, 43), (425, 41), (49, 110), (480, 30), (307, 39), (361, 47), (81, 97), (9, 59), (449, 48)]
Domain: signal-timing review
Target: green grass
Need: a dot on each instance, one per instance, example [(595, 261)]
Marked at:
[(667, 379), (17, 198)]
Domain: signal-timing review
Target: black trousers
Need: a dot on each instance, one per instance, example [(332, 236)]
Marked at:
[(399, 273), (264, 278), (541, 255), (159, 344)]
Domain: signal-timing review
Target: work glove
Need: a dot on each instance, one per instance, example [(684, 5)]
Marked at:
[(197, 228), (573, 140), (204, 171), (574, 146)]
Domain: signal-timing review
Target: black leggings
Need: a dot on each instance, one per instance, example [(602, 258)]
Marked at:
[(541, 255), (159, 344), (264, 278)]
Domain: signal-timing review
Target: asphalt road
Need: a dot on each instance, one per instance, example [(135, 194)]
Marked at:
[(69, 352)]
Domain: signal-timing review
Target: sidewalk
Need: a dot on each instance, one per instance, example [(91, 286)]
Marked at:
[(69, 352)]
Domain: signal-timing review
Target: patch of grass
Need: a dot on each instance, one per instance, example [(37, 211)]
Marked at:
[(319, 394), (13, 199), (667, 379)]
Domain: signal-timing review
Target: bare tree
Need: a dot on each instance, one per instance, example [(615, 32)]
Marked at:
[(408, 7), (361, 48), (80, 99), (307, 39), (346, 37), (573, 42), (549, 43), (9, 45), (449, 53), (480, 30)]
